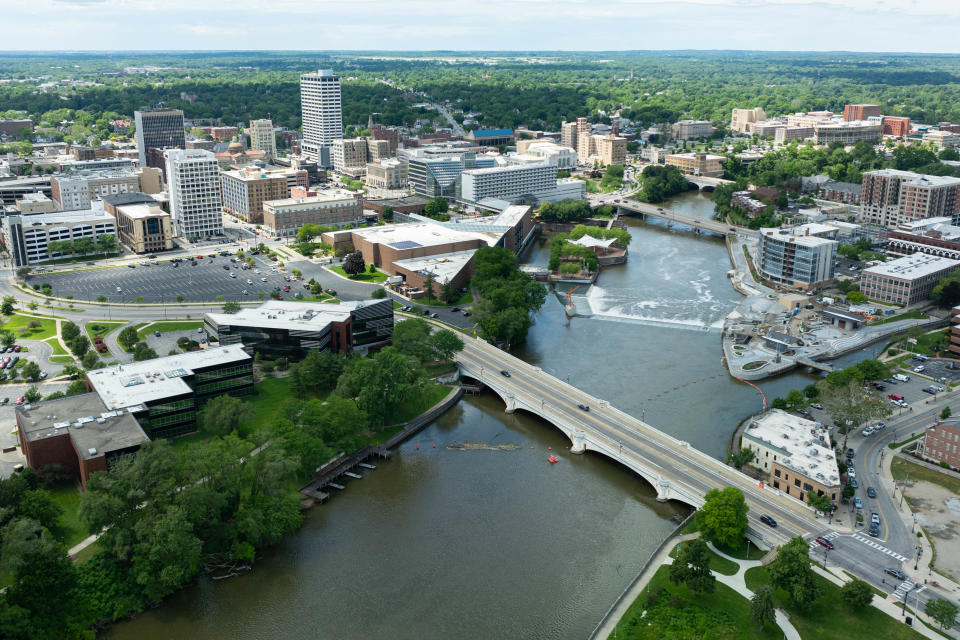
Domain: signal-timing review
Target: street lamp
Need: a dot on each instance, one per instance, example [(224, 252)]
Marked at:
[(902, 486)]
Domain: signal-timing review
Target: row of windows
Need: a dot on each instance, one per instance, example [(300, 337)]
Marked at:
[(206, 376), (224, 385)]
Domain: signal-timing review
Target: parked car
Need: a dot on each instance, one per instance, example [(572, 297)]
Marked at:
[(929, 390), (156, 334), (858, 503), (854, 484), (817, 405), (874, 531), (20, 399), (43, 375), (767, 520), (875, 518), (823, 542), (895, 396), (16, 349), (868, 431), (919, 369), (871, 492), (5, 401)]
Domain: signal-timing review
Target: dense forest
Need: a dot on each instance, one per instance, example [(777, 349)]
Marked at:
[(507, 90)]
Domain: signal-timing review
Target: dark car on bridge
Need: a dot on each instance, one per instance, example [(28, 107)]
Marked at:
[(823, 542), (583, 407), (767, 520), (505, 373)]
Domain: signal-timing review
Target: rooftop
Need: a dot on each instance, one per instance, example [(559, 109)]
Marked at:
[(507, 168), (133, 384), (120, 199), (804, 443), (913, 266), (422, 234), (290, 315), (94, 429), (490, 133), (67, 217), (138, 211), (405, 201), (329, 195), (443, 266), (808, 235)]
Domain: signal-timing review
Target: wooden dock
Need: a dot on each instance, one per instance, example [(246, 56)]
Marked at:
[(341, 466)]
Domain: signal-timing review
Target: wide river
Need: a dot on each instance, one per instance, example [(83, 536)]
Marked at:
[(440, 543)]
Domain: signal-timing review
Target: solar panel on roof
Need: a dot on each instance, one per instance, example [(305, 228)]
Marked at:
[(405, 244)]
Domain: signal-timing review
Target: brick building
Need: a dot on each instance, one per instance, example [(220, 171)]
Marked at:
[(860, 111), (940, 443)]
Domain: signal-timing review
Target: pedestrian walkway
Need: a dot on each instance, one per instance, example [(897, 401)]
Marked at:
[(879, 547), (739, 584)]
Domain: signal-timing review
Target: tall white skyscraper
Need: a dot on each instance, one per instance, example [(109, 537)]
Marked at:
[(193, 179), (263, 138), (322, 118)]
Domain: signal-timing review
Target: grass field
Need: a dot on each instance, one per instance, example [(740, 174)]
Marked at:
[(69, 527), (896, 445), (62, 359), (827, 619), (19, 325), (100, 328), (166, 326), (901, 468), (433, 393), (58, 349), (909, 315), (723, 601), (268, 400), (379, 276)]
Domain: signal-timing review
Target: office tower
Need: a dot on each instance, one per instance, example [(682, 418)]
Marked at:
[(321, 116), (159, 128), (263, 138), (193, 179)]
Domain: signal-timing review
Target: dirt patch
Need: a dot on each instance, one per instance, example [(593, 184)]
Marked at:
[(938, 512)]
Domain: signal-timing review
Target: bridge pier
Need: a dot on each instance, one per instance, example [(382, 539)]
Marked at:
[(511, 404), (663, 490), (579, 442)]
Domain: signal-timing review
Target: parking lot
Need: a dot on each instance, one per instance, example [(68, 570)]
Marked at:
[(8, 423), (163, 282)]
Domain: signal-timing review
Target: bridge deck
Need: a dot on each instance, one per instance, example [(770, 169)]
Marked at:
[(716, 226), (674, 468)]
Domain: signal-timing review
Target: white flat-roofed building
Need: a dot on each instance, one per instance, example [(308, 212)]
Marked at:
[(74, 191), (540, 151), (794, 453), (846, 132), (906, 280), (692, 129), (321, 114), (335, 207), (941, 139), (196, 204), (511, 182), (28, 236)]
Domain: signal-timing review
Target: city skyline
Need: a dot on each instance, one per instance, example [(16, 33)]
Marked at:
[(569, 25)]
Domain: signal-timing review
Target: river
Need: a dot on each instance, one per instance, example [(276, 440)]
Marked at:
[(440, 543)]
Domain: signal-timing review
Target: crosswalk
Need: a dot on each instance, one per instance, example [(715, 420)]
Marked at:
[(814, 545), (905, 587), (878, 547)]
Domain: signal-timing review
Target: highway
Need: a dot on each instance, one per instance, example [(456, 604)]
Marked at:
[(690, 471)]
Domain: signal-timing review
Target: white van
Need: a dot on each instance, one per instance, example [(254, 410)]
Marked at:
[(899, 377)]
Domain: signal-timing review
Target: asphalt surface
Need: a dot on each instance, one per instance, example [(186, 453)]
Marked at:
[(8, 422)]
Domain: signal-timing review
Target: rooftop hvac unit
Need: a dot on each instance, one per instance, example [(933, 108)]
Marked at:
[(92, 451)]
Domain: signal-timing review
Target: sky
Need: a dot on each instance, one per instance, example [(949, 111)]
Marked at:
[(927, 26)]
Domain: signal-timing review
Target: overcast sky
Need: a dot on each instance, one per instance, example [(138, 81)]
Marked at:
[(798, 25)]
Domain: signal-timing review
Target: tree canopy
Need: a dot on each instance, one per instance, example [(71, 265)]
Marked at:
[(723, 517)]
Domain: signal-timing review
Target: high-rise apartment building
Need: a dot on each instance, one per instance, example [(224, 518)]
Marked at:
[(160, 129), (801, 257), (853, 112), (611, 149), (349, 156), (73, 191), (889, 197), (263, 138), (321, 115), (568, 135), (193, 178)]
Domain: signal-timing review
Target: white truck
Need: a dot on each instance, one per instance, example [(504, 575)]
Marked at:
[(899, 377)]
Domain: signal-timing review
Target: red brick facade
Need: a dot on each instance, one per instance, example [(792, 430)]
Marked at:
[(941, 443)]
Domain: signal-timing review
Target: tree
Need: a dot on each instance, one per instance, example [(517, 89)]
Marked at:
[(387, 213), (945, 413), (180, 298), (90, 360), (428, 282), (811, 391), (31, 371), (942, 611), (6, 308), (741, 458), (231, 307), (223, 414), (353, 264), (855, 297), (378, 294), (435, 206), (856, 594), (412, 337), (445, 343), (692, 567), (851, 406), (723, 517), (167, 553), (371, 268), (761, 607), (143, 352), (794, 399), (23, 272), (128, 338), (80, 345), (447, 294), (380, 384), (818, 502), (32, 395), (7, 339), (101, 299), (791, 571)]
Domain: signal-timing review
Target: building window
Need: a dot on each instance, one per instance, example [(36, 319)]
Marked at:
[(796, 482), (776, 472)]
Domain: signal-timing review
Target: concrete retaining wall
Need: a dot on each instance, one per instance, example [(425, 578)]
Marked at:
[(425, 418)]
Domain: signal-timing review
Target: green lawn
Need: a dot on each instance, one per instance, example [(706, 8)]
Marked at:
[(101, 328), (268, 400), (19, 325), (901, 468), (166, 326), (896, 445), (909, 315), (742, 552), (433, 393), (379, 276), (440, 369), (58, 349), (718, 564), (69, 527), (827, 619), (723, 603), (62, 359)]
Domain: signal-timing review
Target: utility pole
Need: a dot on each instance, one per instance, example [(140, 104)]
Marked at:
[(902, 486)]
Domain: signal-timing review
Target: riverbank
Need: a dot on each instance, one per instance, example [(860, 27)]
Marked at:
[(763, 338)]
